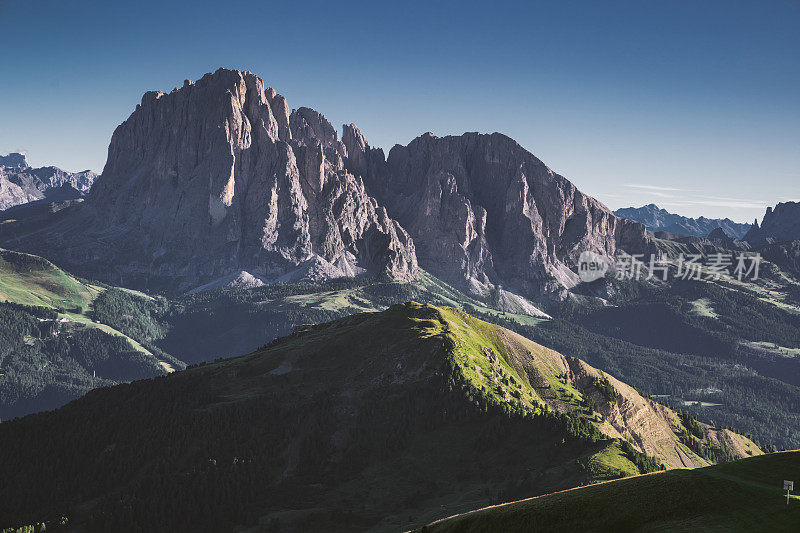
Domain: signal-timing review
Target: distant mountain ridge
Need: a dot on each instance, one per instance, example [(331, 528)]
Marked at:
[(657, 219), (21, 184)]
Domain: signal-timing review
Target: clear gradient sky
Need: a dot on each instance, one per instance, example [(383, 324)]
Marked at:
[(692, 105)]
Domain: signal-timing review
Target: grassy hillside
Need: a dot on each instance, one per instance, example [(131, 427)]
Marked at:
[(51, 351), (378, 421), (30, 280), (742, 495), (721, 351)]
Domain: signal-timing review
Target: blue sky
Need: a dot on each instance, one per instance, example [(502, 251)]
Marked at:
[(691, 105)]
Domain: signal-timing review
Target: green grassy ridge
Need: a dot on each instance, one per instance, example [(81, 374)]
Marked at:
[(495, 368), (491, 369), (31, 280), (240, 441), (743, 495), (34, 281)]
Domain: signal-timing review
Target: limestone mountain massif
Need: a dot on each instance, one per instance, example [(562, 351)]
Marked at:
[(488, 216), (21, 184), (777, 239), (219, 177)]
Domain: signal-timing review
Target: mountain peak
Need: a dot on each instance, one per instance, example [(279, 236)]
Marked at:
[(780, 224), (718, 233), (14, 160), (218, 177)]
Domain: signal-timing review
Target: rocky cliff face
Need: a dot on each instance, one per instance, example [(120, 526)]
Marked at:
[(21, 184), (219, 177), (487, 215), (781, 224)]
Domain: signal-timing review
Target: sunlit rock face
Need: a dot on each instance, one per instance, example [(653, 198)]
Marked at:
[(219, 176)]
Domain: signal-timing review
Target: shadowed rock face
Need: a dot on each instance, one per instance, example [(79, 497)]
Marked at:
[(780, 225), (14, 160), (218, 177), (485, 213)]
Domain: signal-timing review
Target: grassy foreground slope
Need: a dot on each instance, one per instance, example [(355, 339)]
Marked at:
[(742, 495), (379, 421)]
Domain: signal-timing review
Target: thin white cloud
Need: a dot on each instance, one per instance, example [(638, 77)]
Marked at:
[(651, 187)]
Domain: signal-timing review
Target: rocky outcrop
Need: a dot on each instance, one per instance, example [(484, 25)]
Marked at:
[(487, 215), (21, 184), (218, 177), (784, 254), (14, 160), (718, 234), (719, 238), (780, 225)]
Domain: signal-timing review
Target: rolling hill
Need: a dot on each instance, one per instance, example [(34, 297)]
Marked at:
[(742, 495), (30, 280), (51, 350), (377, 421)]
